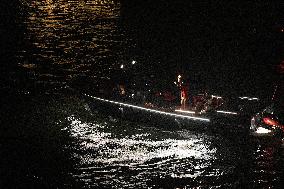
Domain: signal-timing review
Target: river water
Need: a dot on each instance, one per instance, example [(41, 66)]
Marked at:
[(51, 139)]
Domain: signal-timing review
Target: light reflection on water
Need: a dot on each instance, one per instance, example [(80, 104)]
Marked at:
[(81, 36), (118, 155), (138, 148), (104, 154), (66, 38)]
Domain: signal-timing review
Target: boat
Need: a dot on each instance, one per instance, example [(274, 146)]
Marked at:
[(160, 109)]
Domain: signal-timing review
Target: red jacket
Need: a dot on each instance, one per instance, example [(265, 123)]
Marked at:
[(184, 92)]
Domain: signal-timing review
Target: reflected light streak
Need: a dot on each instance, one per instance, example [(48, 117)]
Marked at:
[(248, 98), (214, 96), (226, 112), (151, 110)]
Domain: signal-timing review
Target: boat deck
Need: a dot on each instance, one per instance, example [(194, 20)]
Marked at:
[(176, 113)]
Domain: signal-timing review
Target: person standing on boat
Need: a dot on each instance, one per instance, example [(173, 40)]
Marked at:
[(183, 87), (178, 83), (184, 96)]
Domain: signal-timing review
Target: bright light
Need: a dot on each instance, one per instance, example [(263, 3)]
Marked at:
[(133, 62), (248, 98), (253, 99), (121, 66), (225, 112), (213, 96), (261, 130), (179, 78)]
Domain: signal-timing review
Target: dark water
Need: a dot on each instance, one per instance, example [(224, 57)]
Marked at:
[(225, 47), (50, 139), (54, 141)]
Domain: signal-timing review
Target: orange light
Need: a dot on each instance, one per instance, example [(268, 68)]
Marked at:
[(270, 121)]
